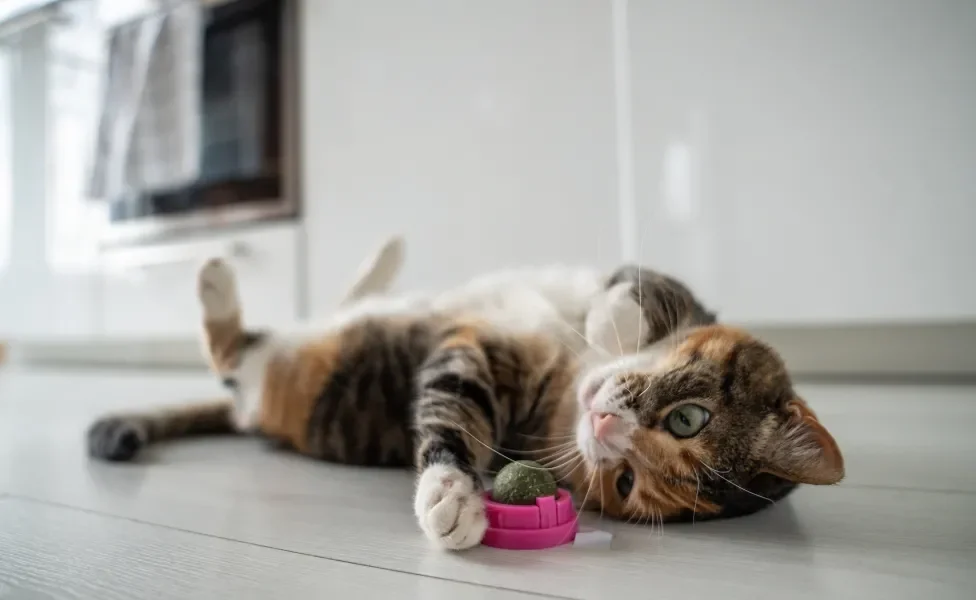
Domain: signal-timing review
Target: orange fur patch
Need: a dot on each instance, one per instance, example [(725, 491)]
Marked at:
[(291, 386), (714, 342)]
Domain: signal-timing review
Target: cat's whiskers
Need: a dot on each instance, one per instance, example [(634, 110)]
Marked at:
[(562, 321), (553, 469), (646, 388), (589, 488), (643, 518), (566, 463), (640, 297), (548, 438), (582, 337), (725, 472), (566, 458), (720, 476), (475, 438), (672, 322), (616, 332), (601, 500), (694, 511), (568, 476), (560, 446)]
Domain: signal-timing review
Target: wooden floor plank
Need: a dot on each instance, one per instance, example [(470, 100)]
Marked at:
[(887, 532), (50, 552)]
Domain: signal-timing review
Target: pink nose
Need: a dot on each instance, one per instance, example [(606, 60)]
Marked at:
[(604, 424)]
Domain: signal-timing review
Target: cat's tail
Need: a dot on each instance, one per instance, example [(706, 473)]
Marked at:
[(377, 274)]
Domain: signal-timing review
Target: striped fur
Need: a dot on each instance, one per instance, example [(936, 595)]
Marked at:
[(455, 393)]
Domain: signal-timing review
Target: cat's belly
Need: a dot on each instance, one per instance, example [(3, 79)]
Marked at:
[(555, 300)]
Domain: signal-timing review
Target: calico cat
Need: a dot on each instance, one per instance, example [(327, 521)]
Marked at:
[(702, 422)]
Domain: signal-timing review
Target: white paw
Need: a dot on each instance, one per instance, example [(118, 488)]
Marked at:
[(451, 512), (615, 322), (217, 289)]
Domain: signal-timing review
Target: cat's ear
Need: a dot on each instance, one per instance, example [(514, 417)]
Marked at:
[(802, 450)]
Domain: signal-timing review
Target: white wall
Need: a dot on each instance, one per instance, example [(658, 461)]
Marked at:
[(796, 162), (832, 149), (483, 131)]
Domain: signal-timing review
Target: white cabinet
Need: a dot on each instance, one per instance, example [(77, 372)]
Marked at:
[(482, 131), (809, 161), (39, 297), (151, 291)]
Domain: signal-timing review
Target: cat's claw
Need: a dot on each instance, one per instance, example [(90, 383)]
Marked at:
[(217, 289), (116, 439), (449, 508)]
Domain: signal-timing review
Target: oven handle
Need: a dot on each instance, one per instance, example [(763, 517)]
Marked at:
[(129, 260)]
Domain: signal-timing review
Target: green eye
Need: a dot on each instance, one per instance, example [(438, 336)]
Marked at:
[(686, 420)]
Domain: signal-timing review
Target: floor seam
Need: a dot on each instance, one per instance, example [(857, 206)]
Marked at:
[(905, 488), (270, 547)]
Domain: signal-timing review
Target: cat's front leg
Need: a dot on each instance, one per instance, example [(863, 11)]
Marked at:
[(457, 422)]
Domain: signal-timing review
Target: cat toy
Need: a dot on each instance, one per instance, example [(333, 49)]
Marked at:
[(526, 510)]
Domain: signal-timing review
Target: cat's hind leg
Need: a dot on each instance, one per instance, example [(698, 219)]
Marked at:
[(122, 436)]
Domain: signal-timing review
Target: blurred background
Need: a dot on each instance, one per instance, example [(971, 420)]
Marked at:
[(808, 168)]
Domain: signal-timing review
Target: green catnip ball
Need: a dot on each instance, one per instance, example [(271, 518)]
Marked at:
[(521, 482)]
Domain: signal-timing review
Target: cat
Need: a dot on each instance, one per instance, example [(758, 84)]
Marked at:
[(702, 422)]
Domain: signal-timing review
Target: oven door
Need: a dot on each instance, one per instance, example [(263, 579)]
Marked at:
[(248, 138)]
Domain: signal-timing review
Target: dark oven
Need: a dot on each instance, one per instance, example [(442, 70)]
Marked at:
[(248, 146)]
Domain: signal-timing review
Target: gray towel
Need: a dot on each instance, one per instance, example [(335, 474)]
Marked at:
[(149, 133)]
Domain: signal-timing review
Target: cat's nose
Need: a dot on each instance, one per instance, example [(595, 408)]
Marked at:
[(604, 424)]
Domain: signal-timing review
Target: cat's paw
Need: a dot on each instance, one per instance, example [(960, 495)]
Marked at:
[(116, 439), (217, 289), (615, 322), (449, 508)]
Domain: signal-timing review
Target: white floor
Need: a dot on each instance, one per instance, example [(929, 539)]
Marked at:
[(233, 519)]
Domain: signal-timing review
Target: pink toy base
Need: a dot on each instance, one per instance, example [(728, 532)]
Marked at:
[(550, 522)]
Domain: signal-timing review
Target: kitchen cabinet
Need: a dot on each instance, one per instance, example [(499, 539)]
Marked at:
[(40, 295)]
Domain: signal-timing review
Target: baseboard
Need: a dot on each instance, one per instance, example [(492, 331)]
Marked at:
[(874, 350), (871, 350), (162, 352)]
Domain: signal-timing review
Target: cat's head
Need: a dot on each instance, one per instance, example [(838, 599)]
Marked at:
[(704, 423)]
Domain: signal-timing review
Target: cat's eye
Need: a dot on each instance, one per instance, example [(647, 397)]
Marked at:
[(625, 482), (686, 421)]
